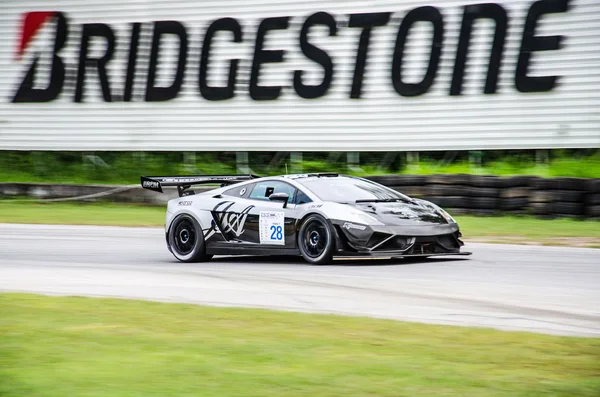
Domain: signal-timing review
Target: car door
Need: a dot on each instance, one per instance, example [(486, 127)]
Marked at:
[(246, 217), (272, 224)]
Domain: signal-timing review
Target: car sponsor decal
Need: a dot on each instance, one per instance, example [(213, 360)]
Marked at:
[(76, 38), (150, 184), (230, 221), (271, 227), (211, 230), (348, 226)]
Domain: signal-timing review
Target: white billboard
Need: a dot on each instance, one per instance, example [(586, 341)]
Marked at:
[(299, 75)]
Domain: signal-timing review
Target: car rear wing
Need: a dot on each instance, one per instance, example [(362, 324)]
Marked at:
[(156, 183)]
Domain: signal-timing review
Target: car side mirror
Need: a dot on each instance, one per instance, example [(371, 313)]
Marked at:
[(283, 197)]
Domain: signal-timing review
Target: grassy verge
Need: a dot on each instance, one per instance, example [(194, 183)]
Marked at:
[(521, 230), (530, 230), (53, 346), (102, 214)]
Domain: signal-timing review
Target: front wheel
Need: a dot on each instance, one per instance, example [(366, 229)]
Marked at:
[(186, 240), (316, 240)]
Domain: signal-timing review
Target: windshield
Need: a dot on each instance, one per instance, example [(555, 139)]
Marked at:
[(350, 190)]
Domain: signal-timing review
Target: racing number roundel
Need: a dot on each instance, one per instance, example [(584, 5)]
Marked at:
[(271, 228)]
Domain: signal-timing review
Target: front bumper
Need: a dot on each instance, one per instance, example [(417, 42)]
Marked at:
[(395, 241), (395, 254)]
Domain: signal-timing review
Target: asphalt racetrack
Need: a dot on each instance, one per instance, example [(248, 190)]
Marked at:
[(539, 289)]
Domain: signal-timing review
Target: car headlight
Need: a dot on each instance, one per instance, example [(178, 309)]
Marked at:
[(440, 211), (361, 217), (446, 215)]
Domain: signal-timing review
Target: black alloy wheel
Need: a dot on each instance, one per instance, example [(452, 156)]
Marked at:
[(316, 240), (186, 240)]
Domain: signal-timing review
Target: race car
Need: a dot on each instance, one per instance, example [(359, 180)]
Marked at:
[(318, 216)]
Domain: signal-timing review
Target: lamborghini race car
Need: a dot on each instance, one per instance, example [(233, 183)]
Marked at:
[(318, 216)]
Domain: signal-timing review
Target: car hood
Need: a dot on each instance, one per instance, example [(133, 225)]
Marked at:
[(402, 214)]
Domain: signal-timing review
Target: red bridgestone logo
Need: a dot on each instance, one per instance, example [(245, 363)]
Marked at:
[(32, 23)]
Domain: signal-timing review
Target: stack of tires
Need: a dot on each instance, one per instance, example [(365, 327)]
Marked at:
[(558, 197), (411, 185), (490, 195), (485, 194), (451, 192), (514, 196), (592, 199)]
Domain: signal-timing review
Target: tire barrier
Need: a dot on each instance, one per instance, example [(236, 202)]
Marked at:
[(457, 193), (412, 185), (559, 197), (592, 199), (492, 195)]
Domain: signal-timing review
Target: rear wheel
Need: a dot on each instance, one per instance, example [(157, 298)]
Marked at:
[(186, 240), (316, 240)]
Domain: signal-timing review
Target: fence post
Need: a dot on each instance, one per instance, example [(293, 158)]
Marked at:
[(412, 161), (353, 161), (386, 161), (189, 162), (296, 162), (241, 162)]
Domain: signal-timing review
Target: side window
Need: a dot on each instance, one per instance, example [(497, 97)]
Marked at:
[(302, 198), (263, 190), (239, 191)]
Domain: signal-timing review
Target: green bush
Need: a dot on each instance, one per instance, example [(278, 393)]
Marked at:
[(126, 167)]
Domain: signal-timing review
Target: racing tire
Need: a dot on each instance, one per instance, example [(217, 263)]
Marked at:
[(488, 192), (186, 240), (445, 190), (516, 203), (517, 181), (515, 193), (593, 199), (486, 181), (450, 201), (412, 191), (560, 184), (593, 211), (541, 196), (542, 184), (593, 186), (570, 184), (316, 240), (485, 203), (566, 208), (399, 180), (449, 179), (571, 196)]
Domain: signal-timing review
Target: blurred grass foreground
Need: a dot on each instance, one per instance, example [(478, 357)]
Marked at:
[(68, 346)]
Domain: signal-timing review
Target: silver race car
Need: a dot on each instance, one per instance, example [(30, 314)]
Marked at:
[(318, 216)]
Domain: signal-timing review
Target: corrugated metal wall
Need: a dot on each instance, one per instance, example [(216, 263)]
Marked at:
[(568, 116)]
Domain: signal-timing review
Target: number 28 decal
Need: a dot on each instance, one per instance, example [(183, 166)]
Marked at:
[(276, 233)]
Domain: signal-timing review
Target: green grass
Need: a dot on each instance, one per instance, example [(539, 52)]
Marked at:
[(103, 214), (68, 346), (560, 167), (491, 229), (528, 227)]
